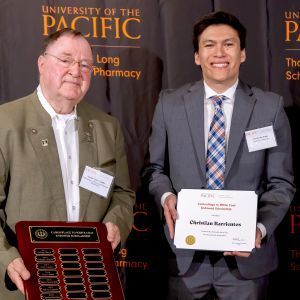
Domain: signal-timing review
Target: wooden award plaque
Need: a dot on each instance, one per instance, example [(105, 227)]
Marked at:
[(68, 261)]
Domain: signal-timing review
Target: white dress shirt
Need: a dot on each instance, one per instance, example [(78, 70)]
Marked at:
[(66, 136)]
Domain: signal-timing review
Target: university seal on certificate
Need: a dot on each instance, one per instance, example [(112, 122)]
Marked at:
[(216, 220), (190, 240)]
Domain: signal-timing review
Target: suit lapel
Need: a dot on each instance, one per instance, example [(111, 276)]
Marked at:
[(43, 142), (87, 157), (194, 108), (243, 107)]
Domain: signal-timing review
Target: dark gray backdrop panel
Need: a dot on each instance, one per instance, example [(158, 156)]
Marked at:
[(177, 20)]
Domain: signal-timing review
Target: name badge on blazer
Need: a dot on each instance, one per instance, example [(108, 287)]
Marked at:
[(261, 138), (97, 181)]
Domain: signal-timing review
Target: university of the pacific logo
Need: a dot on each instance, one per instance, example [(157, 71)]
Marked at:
[(41, 233)]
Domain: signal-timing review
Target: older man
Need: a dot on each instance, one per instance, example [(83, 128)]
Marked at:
[(46, 141)]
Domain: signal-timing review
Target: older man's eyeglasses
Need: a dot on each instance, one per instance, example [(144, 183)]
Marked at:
[(68, 62)]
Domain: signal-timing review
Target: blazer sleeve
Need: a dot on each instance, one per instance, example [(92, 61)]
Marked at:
[(120, 210), (8, 252), (279, 187), (157, 172)]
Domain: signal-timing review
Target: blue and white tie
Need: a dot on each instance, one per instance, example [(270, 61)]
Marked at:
[(215, 160)]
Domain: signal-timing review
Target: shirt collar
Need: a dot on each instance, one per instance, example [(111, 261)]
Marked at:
[(49, 109), (229, 93)]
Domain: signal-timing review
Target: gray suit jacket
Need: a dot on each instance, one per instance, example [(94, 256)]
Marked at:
[(178, 159), (31, 185)]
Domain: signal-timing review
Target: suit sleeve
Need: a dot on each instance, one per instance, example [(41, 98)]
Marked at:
[(120, 211), (7, 252), (279, 187), (157, 171)]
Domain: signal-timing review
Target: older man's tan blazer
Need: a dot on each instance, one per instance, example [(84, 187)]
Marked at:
[(31, 185)]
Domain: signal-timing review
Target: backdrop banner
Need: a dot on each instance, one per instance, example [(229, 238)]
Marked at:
[(139, 48)]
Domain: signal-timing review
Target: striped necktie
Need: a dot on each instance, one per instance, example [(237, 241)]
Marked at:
[(215, 160)]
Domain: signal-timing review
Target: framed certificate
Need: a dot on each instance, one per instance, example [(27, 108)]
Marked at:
[(216, 220), (68, 261)]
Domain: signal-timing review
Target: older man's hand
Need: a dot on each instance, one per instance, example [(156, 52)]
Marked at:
[(17, 272), (113, 234)]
